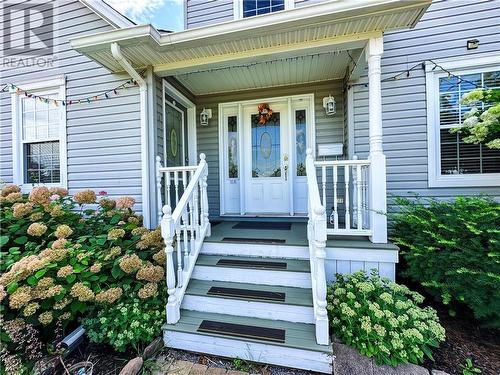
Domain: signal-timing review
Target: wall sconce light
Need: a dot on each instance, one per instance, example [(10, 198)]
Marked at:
[(472, 44), (205, 115), (329, 105)]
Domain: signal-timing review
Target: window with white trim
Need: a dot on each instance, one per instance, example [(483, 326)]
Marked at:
[(256, 7), (452, 162), (39, 129), (250, 8)]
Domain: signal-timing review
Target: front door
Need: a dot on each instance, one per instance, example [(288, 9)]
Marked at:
[(174, 129), (266, 153)]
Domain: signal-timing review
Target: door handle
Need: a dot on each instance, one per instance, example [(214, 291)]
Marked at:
[(285, 166)]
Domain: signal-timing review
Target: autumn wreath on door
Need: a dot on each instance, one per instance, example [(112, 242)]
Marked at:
[(265, 113)]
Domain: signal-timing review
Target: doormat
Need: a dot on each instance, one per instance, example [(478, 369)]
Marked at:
[(247, 294), (269, 225), (253, 240), (241, 330), (251, 264)]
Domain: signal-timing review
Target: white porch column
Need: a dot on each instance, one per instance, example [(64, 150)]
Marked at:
[(377, 184)]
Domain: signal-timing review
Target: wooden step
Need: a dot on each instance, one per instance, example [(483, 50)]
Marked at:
[(253, 270), (259, 340), (296, 306)]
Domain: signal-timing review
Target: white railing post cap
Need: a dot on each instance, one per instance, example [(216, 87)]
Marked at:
[(202, 156), (158, 158), (167, 211)]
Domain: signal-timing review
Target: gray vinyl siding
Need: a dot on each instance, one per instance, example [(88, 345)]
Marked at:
[(328, 128), (442, 32), (103, 137), (207, 12)]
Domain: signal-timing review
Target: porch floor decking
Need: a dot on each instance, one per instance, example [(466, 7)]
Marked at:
[(295, 236)]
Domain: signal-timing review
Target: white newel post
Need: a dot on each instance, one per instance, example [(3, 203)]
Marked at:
[(377, 191), (204, 196), (322, 336), (158, 188), (167, 232)]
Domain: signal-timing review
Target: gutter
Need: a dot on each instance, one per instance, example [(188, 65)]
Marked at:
[(143, 90)]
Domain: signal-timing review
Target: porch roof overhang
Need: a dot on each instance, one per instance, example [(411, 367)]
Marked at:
[(316, 33)]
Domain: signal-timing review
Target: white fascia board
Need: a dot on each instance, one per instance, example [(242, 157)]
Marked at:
[(316, 13)]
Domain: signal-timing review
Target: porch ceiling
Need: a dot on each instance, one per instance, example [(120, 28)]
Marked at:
[(330, 26), (271, 73)]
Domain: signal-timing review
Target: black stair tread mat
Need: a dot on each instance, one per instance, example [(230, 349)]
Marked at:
[(252, 264), (253, 240), (247, 293), (293, 295), (293, 265), (270, 225), (243, 331)]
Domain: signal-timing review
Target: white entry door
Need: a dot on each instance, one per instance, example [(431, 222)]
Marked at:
[(266, 152)]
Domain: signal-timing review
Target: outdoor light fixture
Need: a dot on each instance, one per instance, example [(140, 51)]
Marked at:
[(329, 105), (205, 115), (472, 44)]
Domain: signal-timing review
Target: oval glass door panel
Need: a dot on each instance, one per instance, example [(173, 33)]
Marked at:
[(266, 147)]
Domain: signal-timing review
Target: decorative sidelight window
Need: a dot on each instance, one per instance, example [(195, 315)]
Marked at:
[(232, 146), (301, 141)]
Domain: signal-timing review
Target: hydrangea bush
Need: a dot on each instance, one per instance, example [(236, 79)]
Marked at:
[(128, 323), (67, 257), (382, 319)]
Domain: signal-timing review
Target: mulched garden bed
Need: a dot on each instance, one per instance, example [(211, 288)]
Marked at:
[(465, 338)]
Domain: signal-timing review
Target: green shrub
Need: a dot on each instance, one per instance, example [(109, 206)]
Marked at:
[(132, 322), (67, 257), (453, 250), (382, 319)]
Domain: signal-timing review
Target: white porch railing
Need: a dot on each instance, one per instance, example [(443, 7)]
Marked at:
[(316, 235), (184, 229), (345, 185)]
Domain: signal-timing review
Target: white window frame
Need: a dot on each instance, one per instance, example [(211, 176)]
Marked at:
[(238, 8), (462, 65), (17, 144)]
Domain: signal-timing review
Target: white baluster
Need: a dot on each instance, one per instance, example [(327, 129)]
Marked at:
[(335, 208), (191, 222), (358, 191), (158, 188), (180, 281), (347, 213), (167, 232), (167, 189), (184, 181), (176, 185), (323, 183), (185, 225)]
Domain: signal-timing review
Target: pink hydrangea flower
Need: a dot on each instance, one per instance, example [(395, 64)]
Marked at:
[(103, 193), (54, 197)]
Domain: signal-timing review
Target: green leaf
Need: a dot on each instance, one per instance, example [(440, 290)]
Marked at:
[(115, 219), (12, 287), (116, 271), (39, 274), (101, 241), (21, 240), (71, 278), (14, 250), (4, 240), (32, 280)]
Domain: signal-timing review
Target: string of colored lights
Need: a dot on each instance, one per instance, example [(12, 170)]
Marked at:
[(10, 87)]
